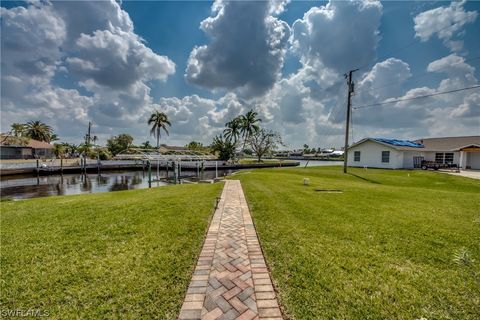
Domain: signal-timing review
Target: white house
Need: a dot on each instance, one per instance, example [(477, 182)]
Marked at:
[(404, 154)]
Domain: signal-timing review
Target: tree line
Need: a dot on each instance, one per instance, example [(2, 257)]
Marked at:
[(245, 130), (242, 135)]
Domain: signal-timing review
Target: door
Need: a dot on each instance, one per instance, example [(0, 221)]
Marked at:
[(417, 161)]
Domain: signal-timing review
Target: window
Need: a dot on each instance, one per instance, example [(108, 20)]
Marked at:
[(356, 156), (439, 157), (448, 157), (385, 156)]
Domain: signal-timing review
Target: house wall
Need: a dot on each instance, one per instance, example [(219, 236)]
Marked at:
[(7, 152), (42, 153), (473, 160), (371, 156), (430, 156), (408, 158)]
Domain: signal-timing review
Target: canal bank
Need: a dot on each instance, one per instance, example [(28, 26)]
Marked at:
[(46, 168), (31, 185)]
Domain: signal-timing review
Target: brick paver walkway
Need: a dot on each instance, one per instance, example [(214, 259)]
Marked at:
[(231, 280)]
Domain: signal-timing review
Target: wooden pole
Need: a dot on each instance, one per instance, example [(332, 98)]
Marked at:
[(179, 177), (149, 174), (347, 120), (174, 167)]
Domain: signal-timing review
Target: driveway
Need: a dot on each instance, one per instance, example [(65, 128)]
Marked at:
[(474, 174)]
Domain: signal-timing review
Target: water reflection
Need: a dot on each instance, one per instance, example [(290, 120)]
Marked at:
[(21, 187), (27, 186)]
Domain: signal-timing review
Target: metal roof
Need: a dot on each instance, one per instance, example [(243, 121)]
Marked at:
[(448, 143), (191, 156), (427, 144), (400, 143)]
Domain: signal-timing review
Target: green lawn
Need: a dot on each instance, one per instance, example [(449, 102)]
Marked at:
[(126, 254), (385, 248)]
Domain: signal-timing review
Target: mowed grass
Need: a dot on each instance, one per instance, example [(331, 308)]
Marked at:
[(126, 254), (385, 248)]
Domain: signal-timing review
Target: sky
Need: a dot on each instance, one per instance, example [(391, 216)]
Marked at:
[(68, 63)]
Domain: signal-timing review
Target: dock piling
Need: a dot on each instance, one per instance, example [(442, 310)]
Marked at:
[(149, 174)]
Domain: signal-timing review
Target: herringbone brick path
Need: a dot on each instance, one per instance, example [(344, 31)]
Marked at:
[(231, 280)]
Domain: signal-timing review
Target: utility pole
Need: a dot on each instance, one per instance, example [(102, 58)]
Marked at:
[(88, 135), (349, 110)]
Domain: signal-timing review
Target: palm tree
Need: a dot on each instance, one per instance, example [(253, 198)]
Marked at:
[(54, 137), (146, 145), (233, 129), (38, 130), (249, 125), (158, 120), (59, 150), (17, 129)]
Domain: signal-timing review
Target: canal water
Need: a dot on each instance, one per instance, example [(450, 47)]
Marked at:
[(318, 163), (27, 186)]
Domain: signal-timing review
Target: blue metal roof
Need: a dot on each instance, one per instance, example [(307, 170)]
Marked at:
[(400, 143)]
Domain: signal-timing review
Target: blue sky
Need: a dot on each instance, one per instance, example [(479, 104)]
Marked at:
[(179, 21), (204, 63)]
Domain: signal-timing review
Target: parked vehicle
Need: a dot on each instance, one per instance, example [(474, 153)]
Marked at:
[(435, 165)]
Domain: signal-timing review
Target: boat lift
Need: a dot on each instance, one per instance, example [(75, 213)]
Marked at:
[(175, 160)]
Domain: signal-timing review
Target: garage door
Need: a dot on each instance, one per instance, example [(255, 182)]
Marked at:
[(473, 160)]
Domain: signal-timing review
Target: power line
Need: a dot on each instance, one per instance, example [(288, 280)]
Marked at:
[(423, 74), (414, 98)]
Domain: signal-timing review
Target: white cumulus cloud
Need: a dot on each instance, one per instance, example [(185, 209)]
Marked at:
[(444, 22), (246, 49)]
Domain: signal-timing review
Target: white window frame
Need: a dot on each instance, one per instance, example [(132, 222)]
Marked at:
[(442, 159), (445, 157), (388, 158), (355, 153)]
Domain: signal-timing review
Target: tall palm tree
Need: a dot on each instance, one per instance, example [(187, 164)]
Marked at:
[(158, 120), (233, 130), (17, 129), (249, 125), (38, 130), (94, 140)]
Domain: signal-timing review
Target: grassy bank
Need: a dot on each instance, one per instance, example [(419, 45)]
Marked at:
[(393, 245), (112, 255)]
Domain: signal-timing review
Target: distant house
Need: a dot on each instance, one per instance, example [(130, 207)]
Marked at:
[(32, 149), (403, 154)]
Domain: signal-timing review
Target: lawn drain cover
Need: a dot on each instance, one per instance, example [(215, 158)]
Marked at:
[(329, 190)]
